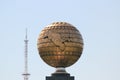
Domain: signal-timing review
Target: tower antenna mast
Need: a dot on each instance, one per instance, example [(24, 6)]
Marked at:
[(26, 74)]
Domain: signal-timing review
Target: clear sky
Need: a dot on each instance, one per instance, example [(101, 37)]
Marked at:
[(97, 20)]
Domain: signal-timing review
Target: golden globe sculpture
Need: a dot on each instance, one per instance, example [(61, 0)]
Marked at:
[(60, 45)]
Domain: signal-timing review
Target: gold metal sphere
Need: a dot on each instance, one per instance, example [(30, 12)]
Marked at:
[(60, 44)]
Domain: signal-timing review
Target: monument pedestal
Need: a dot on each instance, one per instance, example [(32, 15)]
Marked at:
[(60, 76)]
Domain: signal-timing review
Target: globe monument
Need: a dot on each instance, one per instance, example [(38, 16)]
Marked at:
[(60, 45)]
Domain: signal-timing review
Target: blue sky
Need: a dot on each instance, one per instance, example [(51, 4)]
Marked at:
[(97, 20)]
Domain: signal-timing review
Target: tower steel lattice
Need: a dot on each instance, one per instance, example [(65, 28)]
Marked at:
[(26, 74)]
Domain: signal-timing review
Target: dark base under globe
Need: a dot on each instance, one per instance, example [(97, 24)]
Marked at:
[(60, 74)]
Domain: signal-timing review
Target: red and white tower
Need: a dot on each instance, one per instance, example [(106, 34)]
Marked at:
[(26, 74)]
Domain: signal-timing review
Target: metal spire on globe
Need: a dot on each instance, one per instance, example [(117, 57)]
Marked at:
[(60, 45), (26, 74)]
